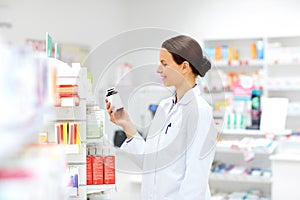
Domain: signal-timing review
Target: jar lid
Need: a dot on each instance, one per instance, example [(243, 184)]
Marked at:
[(110, 91)]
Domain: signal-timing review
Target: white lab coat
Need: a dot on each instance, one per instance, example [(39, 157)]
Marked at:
[(179, 150)]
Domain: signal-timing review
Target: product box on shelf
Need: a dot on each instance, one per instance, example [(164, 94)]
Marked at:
[(100, 165)]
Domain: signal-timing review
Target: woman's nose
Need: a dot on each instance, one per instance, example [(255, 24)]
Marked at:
[(159, 69)]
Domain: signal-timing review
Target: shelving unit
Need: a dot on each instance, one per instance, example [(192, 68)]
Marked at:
[(98, 139), (235, 56), (283, 62), (279, 66), (228, 181), (101, 188), (278, 77), (28, 170), (75, 154)]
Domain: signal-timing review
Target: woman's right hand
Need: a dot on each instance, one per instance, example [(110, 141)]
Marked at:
[(121, 118)]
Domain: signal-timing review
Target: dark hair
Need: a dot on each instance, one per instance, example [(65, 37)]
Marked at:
[(184, 48)]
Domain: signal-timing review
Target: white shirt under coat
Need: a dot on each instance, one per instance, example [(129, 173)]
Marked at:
[(177, 155)]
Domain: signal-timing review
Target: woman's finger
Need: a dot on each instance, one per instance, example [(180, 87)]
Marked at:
[(109, 110), (107, 105), (112, 108)]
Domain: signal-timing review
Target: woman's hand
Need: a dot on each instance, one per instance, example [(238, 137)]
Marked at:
[(121, 118)]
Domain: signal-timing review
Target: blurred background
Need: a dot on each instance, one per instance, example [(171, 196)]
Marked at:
[(56, 141)]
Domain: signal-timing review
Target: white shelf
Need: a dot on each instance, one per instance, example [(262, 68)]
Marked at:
[(246, 132), (68, 113), (242, 132), (279, 63), (286, 157), (219, 114), (240, 178), (238, 63), (94, 140), (284, 83), (91, 189), (77, 158), (257, 150), (287, 88)]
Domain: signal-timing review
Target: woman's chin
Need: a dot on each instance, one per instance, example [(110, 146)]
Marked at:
[(166, 84)]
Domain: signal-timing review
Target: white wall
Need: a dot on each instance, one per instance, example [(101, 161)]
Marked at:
[(93, 21), (68, 21), (218, 18)]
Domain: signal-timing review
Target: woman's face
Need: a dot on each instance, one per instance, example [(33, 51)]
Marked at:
[(168, 69)]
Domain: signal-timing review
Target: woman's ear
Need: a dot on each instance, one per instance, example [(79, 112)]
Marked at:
[(186, 67)]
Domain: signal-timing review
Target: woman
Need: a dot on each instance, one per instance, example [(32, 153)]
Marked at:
[(179, 149)]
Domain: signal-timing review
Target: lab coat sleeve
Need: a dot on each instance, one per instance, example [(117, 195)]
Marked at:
[(134, 148), (134, 145), (199, 156)]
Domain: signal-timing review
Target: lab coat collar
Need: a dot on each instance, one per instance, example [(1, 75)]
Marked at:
[(189, 95)]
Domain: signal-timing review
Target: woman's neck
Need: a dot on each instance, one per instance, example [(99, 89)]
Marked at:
[(183, 88)]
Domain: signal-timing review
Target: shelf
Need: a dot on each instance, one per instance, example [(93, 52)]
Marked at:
[(218, 115), (283, 88), (238, 63), (242, 132), (91, 189), (279, 63), (245, 132), (68, 113), (240, 178), (217, 91), (283, 84), (257, 150), (78, 158), (94, 140), (286, 157)]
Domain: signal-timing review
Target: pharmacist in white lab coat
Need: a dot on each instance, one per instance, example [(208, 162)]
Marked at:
[(179, 149)]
